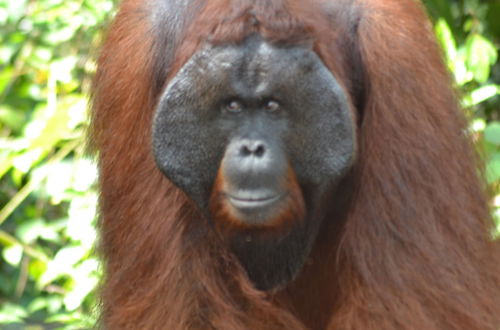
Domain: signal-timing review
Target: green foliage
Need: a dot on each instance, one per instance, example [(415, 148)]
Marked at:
[(48, 270), (469, 34)]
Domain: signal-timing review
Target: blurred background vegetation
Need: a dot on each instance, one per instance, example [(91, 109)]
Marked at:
[(48, 268)]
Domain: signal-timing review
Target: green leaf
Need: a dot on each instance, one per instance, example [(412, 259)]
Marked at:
[(5, 74), (493, 170), (481, 55), (13, 254), (62, 264), (481, 94), (478, 125), (492, 133), (11, 117), (85, 279), (446, 39), (30, 230), (10, 313), (80, 227), (16, 9)]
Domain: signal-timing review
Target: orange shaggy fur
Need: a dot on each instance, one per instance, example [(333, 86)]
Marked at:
[(410, 250)]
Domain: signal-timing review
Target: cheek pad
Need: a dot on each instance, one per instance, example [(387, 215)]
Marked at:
[(188, 142)]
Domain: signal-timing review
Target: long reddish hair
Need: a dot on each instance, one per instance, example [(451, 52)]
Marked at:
[(409, 250)]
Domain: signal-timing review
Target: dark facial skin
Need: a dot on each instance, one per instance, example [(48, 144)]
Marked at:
[(263, 128)]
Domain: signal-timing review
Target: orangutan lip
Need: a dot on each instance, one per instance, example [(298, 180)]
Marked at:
[(259, 202)]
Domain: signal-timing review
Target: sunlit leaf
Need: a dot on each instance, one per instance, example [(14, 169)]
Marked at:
[(10, 313), (15, 9), (6, 74), (455, 57), (25, 161), (13, 254), (85, 278), (446, 39), (49, 127), (60, 35), (51, 303), (481, 54), (62, 264), (4, 15), (80, 226), (30, 230), (11, 118), (40, 58), (481, 94), (58, 181), (478, 125), (62, 68), (76, 105), (36, 268), (85, 175)]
